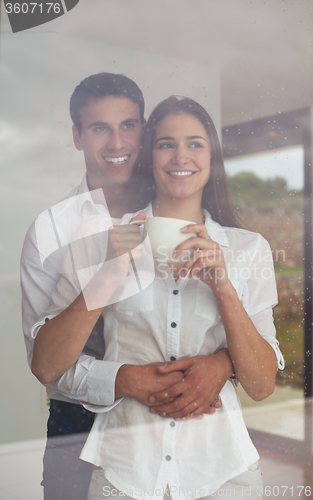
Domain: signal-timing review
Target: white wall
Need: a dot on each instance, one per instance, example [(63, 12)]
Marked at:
[(39, 71)]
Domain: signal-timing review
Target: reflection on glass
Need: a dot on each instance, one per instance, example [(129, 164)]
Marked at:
[(267, 191)]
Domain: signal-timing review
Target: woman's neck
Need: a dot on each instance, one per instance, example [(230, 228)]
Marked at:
[(178, 208)]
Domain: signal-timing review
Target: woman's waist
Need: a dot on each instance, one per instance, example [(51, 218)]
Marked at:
[(130, 414)]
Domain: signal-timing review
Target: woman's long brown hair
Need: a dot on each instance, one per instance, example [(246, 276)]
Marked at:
[(216, 196)]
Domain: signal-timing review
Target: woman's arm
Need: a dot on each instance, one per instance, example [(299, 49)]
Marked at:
[(253, 358)]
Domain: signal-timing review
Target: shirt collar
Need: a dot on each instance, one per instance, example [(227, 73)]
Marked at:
[(215, 230), (88, 201)]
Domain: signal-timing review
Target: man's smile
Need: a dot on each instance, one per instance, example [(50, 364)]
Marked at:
[(117, 160)]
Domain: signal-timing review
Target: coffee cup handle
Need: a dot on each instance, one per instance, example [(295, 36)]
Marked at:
[(138, 222)]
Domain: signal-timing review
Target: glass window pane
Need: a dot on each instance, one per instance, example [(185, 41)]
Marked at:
[(267, 190)]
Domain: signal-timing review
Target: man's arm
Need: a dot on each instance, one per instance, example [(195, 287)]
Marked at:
[(55, 347), (84, 378), (88, 379)]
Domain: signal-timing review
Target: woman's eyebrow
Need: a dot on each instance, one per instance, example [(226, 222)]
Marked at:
[(165, 139), (189, 138)]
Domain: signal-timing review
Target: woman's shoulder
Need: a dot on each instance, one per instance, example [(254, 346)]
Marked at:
[(236, 238), (245, 239)]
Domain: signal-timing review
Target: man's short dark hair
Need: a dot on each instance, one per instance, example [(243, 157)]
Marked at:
[(102, 85)]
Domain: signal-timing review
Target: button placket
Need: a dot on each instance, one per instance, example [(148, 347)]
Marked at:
[(173, 318), (169, 442)]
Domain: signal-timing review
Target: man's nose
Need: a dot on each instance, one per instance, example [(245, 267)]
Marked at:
[(115, 140)]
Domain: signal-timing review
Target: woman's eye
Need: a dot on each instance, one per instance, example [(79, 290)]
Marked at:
[(165, 145), (196, 145)]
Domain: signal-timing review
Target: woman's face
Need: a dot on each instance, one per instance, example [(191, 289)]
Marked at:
[(181, 156)]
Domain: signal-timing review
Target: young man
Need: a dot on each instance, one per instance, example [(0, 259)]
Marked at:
[(66, 351)]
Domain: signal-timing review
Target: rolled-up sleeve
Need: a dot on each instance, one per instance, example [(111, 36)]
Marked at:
[(263, 322)]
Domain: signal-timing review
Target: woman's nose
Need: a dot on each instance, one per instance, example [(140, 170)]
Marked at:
[(181, 157)]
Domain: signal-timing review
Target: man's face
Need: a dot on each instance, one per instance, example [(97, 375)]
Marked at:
[(110, 138)]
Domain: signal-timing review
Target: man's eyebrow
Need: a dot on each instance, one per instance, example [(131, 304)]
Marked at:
[(98, 124), (106, 124), (130, 120), (190, 137)]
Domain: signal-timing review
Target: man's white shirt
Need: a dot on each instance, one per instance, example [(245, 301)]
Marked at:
[(45, 247)]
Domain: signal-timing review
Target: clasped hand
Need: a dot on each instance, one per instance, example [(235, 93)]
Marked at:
[(179, 389), (196, 393)]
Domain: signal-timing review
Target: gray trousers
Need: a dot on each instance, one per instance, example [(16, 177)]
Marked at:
[(246, 486)]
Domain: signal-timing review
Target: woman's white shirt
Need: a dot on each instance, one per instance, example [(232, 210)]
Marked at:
[(142, 453)]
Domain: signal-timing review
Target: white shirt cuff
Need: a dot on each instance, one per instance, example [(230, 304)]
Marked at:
[(101, 386), (280, 358)]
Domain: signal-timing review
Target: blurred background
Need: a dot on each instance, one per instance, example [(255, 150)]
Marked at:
[(250, 64)]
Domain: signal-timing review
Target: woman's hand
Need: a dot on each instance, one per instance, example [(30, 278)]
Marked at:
[(197, 393), (125, 238), (124, 244), (124, 241), (207, 261)]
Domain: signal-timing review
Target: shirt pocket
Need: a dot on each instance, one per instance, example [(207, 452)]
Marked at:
[(139, 303), (206, 305)]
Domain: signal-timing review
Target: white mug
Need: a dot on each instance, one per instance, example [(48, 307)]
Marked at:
[(164, 235)]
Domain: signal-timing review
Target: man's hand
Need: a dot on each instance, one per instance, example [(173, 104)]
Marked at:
[(140, 382), (197, 392)]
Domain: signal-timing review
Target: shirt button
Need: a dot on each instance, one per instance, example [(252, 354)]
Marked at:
[(175, 292), (172, 358), (168, 458), (173, 325), (172, 423)]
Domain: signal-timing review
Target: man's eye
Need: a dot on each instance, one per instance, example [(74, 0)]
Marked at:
[(129, 125), (100, 129)]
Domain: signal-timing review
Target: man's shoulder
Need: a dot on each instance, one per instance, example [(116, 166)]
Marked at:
[(60, 204), (47, 223)]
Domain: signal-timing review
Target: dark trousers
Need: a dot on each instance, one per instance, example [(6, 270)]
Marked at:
[(65, 476)]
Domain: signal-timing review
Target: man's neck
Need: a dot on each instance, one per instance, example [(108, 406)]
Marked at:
[(178, 208), (116, 196)]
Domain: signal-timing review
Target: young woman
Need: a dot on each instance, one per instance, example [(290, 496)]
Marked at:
[(221, 297)]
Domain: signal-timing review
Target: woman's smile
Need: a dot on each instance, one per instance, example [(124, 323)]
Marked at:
[(180, 173)]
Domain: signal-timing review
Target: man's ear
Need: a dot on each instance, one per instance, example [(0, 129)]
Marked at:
[(76, 138)]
